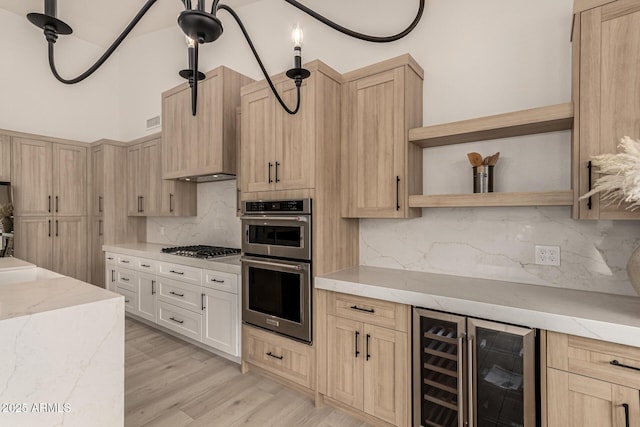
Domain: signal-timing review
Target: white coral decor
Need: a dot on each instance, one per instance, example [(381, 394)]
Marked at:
[(620, 180)]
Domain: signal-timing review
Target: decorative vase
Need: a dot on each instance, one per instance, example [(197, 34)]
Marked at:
[(7, 225), (633, 269)]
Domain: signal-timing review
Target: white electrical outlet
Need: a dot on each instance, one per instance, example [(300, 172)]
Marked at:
[(547, 255)]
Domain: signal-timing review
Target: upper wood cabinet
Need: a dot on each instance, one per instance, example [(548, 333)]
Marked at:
[(5, 158), (49, 178), (204, 144), (606, 72), (150, 195), (279, 150), (380, 103)]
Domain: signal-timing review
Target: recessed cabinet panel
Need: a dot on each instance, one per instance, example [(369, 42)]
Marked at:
[(69, 246), (33, 177), (70, 180), (33, 237), (258, 141)]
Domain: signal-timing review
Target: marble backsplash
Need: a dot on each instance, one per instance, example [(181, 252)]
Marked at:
[(498, 243), (215, 225)]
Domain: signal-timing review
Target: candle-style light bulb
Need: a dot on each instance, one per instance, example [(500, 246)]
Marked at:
[(297, 36), (191, 43)]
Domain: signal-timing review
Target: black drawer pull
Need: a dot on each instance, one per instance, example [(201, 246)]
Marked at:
[(145, 265), (176, 294), (127, 301), (124, 261), (616, 363), (367, 310), (176, 272), (110, 258), (274, 356), (126, 279), (217, 281), (176, 320)]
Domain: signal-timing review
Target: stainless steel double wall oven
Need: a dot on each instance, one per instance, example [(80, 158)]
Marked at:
[(276, 266)]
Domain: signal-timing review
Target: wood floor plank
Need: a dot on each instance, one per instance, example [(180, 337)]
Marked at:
[(171, 383)]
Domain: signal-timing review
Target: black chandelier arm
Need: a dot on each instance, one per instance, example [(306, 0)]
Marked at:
[(105, 55), (264, 71), (365, 37)]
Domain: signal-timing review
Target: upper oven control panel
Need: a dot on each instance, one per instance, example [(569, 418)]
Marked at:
[(300, 206)]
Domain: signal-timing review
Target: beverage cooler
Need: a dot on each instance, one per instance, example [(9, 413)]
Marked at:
[(472, 372)]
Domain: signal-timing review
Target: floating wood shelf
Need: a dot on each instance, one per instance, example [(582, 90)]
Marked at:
[(526, 122), (536, 198)]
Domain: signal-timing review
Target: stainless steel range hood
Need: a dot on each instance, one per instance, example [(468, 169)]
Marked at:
[(210, 178)]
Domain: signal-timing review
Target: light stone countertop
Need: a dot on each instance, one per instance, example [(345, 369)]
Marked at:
[(11, 263), (607, 317), (28, 298), (227, 264)]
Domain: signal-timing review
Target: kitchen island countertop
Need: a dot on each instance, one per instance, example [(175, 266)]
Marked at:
[(607, 317)]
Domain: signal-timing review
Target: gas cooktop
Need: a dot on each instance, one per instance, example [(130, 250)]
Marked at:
[(201, 251)]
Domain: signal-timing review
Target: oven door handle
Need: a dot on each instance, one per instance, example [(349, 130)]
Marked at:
[(276, 218), (295, 267)]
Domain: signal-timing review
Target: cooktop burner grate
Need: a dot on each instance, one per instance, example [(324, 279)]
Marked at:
[(201, 251)]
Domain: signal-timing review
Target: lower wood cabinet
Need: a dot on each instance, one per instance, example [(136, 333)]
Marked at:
[(591, 383), (55, 243), (368, 365)]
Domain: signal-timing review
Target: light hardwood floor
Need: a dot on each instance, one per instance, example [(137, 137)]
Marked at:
[(171, 383)]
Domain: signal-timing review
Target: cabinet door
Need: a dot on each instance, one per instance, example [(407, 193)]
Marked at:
[(386, 356), (151, 182), (5, 158), (577, 401), (258, 141), (345, 354), (375, 138), (295, 138), (134, 187), (147, 297), (208, 154), (33, 239), (33, 184), (70, 179), (221, 324), (96, 198), (609, 92), (110, 277), (96, 261), (179, 132), (70, 246)]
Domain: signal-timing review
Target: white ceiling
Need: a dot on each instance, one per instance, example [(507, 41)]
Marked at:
[(101, 21)]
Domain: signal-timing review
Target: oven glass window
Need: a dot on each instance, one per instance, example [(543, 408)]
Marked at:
[(275, 235), (275, 292)]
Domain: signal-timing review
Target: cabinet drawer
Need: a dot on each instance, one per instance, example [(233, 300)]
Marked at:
[(614, 363), (178, 319), (180, 272), (146, 265), (127, 280), (110, 258), (181, 294), (283, 357), (373, 311), (126, 261), (130, 299), (225, 282)]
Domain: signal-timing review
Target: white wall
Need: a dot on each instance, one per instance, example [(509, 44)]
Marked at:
[(33, 101)]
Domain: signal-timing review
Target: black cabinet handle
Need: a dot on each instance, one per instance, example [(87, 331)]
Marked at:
[(170, 202), (616, 363), (127, 301), (153, 287), (126, 279), (100, 204), (217, 281), (110, 258), (138, 203), (277, 178), (176, 272), (274, 356), (366, 310), (124, 261), (56, 203), (626, 414), (113, 276), (270, 166), (49, 228), (49, 203), (367, 350), (357, 352), (176, 294), (589, 168), (145, 265), (176, 320), (203, 307), (141, 203), (100, 227), (397, 193), (57, 228)]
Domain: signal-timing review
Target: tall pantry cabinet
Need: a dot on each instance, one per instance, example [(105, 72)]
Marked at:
[(50, 204), (606, 93)]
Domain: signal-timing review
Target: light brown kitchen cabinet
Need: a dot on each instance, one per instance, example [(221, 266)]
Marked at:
[(5, 158), (380, 103), (278, 150), (96, 240), (204, 144), (150, 195), (591, 383), (54, 243), (49, 178), (367, 356), (606, 69)]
